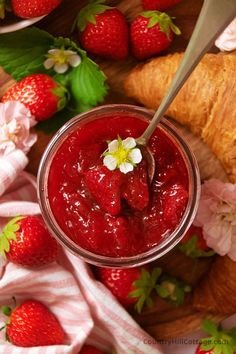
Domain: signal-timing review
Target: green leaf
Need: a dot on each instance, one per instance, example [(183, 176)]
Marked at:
[(136, 293), (17, 56), (6, 310), (140, 303), (191, 249), (8, 234), (87, 85), (162, 291), (87, 14), (210, 328)]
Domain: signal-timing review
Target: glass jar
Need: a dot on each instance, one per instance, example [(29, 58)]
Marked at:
[(152, 254)]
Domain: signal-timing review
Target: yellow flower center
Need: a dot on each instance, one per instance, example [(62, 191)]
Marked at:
[(60, 58)]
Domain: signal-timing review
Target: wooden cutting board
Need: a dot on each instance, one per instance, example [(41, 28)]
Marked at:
[(163, 321)]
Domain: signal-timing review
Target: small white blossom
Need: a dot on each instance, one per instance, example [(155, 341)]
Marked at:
[(61, 59), (122, 154)]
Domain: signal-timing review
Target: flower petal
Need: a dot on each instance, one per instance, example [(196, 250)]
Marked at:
[(61, 68), (129, 143), (110, 162), (135, 155), (54, 51), (126, 167), (113, 146), (74, 60), (49, 63)]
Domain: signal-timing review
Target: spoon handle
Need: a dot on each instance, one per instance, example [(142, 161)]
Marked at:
[(214, 17)]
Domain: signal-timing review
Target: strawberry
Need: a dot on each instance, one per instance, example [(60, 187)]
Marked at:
[(151, 33), (105, 185), (135, 189), (159, 4), (131, 286), (175, 199), (88, 349), (36, 8), (26, 241), (103, 30), (194, 245), (40, 94), (32, 324), (219, 342)]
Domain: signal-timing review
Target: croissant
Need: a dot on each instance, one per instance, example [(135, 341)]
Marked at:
[(206, 104), (216, 293)]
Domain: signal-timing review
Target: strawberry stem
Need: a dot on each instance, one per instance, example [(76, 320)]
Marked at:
[(87, 14), (163, 20), (6, 310)]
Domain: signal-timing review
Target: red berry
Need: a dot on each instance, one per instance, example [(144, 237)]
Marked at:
[(175, 199), (33, 324), (36, 8), (26, 241), (120, 282), (104, 31), (201, 351), (88, 349), (151, 33), (159, 4), (39, 93), (135, 189), (105, 186)]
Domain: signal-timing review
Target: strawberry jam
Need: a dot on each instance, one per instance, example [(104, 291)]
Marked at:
[(110, 213)]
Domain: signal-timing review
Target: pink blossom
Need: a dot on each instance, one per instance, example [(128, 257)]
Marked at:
[(15, 123), (227, 40), (217, 216)]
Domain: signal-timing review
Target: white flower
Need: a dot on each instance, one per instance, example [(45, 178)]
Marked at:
[(15, 123), (61, 59), (217, 216), (122, 154)]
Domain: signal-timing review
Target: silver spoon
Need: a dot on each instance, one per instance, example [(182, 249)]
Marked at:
[(213, 19)]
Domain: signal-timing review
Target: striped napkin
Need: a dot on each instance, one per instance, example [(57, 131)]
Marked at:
[(87, 311)]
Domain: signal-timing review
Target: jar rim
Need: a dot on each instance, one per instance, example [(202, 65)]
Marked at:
[(153, 253)]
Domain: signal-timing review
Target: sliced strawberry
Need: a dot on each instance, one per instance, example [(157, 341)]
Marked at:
[(105, 187), (135, 189)]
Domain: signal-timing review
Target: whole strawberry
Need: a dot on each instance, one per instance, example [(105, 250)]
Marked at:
[(26, 241), (151, 33), (219, 341), (103, 30), (194, 245), (36, 8), (88, 349), (160, 5), (40, 94), (131, 286), (32, 324)]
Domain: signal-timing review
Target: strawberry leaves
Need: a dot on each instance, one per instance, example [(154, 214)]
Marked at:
[(165, 286), (165, 21), (172, 290), (144, 287), (191, 249), (88, 13), (85, 82), (219, 342), (9, 234)]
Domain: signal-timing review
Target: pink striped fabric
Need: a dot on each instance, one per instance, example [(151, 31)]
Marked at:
[(86, 309)]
